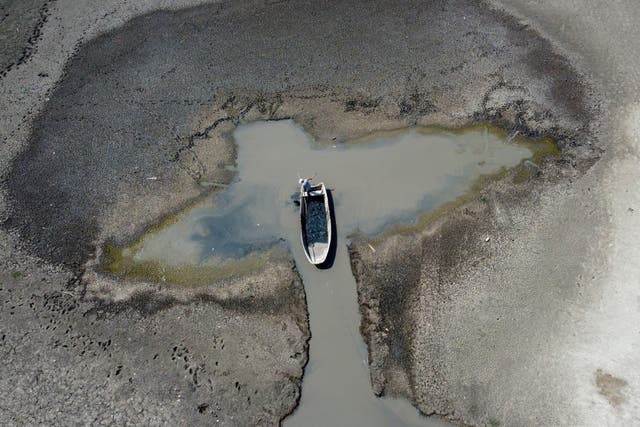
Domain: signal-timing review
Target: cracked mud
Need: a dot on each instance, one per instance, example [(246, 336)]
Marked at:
[(132, 129)]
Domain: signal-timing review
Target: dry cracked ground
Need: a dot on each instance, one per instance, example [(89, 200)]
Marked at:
[(518, 306)]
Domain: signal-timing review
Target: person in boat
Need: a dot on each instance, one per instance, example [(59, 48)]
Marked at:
[(305, 184)]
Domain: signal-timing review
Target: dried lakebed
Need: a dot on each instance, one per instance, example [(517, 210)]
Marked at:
[(378, 182), (109, 99)]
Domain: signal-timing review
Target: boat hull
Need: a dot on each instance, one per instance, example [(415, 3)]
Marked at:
[(315, 223)]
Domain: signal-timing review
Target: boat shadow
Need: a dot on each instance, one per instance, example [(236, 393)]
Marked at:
[(331, 256)]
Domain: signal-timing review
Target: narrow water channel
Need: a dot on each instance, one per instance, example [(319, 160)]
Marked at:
[(386, 179)]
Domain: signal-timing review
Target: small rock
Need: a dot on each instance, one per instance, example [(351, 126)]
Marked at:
[(533, 168)]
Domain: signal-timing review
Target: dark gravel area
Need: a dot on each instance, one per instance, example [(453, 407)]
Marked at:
[(316, 221), (21, 23)]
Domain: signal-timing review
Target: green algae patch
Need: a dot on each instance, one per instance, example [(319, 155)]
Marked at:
[(540, 148), (119, 262)]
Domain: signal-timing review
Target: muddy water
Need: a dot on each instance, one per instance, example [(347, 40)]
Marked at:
[(386, 179)]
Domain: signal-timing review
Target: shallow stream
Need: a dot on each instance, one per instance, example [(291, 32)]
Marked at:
[(385, 179)]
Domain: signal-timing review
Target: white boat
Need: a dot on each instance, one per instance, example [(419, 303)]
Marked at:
[(315, 223)]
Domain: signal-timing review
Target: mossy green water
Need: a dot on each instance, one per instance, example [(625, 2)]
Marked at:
[(118, 261)]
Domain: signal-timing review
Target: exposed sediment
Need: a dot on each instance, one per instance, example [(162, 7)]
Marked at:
[(231, 353), (458, 311), (137, 128), (442, 315)]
